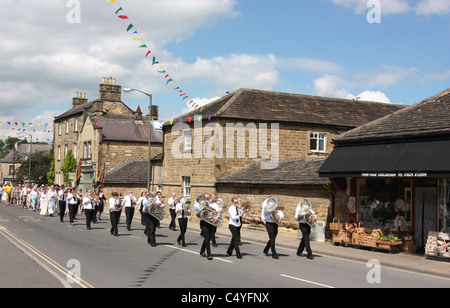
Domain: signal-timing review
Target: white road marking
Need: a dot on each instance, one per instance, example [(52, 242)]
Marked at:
[(196, 252), (307, 281)]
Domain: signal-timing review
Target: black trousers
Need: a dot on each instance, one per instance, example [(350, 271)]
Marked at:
[(114, 217), (305, 242), (173, 215), (129, 213), (272, 230), (207, 231), (182, 222), (90, 214), (62, 209), (151, 223), (235, 240), (73, 208)]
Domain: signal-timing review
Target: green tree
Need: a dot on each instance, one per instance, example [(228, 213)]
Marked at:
[(51, 171), (69, 165), (40, 165)]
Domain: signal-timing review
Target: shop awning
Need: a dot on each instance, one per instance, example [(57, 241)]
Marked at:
[(410, 159)]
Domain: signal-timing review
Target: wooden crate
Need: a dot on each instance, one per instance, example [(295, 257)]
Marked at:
[(389, 244)]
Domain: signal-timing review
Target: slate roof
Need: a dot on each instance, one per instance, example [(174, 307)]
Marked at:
[(131, 172), (268, 106), (429, 118), (22, 152), (115, 129), (297, 172)]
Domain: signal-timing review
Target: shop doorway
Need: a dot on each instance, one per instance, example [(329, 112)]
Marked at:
[(425, 213)]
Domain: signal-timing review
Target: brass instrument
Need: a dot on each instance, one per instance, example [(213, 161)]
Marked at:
[(271, 205), (155, 210), (186, 206), (246, 207), (305, 210), (207, 213)]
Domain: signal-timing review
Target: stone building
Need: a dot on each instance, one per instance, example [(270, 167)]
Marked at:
[(257, 144), (103, 132)]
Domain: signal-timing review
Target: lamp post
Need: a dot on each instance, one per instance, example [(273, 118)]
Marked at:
[(149, 171), (29, 156)]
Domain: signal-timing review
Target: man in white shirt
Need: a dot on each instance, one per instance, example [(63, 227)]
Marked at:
[(130, 204), (272, 229), (172, 202), (88, 206), (72, 199), (234, 223), (306, 231), (115, 209)]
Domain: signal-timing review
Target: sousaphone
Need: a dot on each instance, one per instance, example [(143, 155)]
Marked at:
[(207, 213)]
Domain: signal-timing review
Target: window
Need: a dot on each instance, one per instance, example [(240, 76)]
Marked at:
[(76, 124), (317, 142), (87, 150), (59, 129), (187, 186), (66, 149), (187, 145), (59, 153), (75, 150), (67, 127), (11, 169)]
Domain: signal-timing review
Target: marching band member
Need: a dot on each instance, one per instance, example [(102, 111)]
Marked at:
[(207, 229), (72, 199), (182, 213), (89, 209), (172, 202), (115, 208), (213, 234), (234, 223), (151, 222), (306, 231), (272, 230), (62, 194), (159, 202), (130, 204)]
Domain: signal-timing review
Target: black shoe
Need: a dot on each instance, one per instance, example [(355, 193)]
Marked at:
[(266, 251), (275, 256), (116, 234), (179, 242), (300, 254), (311, 257), (202, 254), (239, 256), (210, 258)]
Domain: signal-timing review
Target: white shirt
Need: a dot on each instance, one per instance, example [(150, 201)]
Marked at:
[(128, 200), (87, 204), (158, 201), (265, 215), (71, 198), (300, 216), (235, 219), (113, 203), (172, 204), (180, 214)]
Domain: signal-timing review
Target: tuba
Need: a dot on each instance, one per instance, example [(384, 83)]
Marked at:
[(207, 213), (154, 210), (305, 210), (270, 205)]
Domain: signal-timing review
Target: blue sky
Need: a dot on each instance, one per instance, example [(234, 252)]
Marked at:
[(321, 47)]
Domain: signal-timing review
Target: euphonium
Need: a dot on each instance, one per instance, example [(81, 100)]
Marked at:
[(305, 210), (270, 205), (154, 210), (207, 213)]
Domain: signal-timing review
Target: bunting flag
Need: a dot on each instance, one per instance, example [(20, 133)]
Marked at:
[(101, 178), (78, 178), (169, 81)]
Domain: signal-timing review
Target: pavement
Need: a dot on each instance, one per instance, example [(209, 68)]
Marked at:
[(416, 263)]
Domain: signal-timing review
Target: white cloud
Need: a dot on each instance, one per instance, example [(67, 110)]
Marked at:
[(437, 76), (431, 7), (385, 76), (387, 6), (371, 96), (330, 86), (309, 64), (421, 7)]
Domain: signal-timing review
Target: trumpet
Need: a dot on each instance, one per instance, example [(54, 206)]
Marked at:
[(246, 207)]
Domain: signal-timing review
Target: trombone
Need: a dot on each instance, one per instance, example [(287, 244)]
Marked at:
[(246, 207)]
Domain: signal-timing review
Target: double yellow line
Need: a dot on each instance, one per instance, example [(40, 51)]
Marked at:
[(46, 259)]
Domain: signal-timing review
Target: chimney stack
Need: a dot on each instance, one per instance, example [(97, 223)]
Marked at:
[(109, 91), (79, 99)]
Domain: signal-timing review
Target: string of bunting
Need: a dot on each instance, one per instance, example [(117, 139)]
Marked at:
[(168, 79)]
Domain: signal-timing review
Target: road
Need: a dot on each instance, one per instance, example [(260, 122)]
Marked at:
[(95, 259)]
